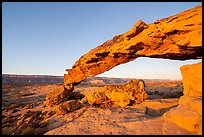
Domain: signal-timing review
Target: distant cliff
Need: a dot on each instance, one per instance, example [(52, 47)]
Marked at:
[(47, 79), (31, 79)]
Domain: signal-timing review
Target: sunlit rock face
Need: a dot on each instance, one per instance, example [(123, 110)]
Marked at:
[(192, 79), (56, 96), (189, 112), (64, 101), (119, 95), (177, 37)]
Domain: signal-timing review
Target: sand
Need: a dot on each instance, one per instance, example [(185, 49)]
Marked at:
[(143, 119)]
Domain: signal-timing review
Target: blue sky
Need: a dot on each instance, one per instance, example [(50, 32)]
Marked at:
[(48, 37)]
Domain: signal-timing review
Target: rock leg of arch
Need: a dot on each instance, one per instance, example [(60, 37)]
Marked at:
[(188, 114)]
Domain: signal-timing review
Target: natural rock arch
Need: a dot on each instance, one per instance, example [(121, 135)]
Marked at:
[(177, 37)]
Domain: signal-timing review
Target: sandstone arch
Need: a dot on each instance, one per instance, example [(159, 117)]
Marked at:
[(177, 37)]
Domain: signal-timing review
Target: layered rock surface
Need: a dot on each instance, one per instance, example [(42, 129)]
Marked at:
[(177, 37), (64, 101), (189, 112), (119, 95), (67, 107)]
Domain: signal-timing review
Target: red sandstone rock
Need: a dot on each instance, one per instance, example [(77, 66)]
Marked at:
[(177, 37), (192, 81), (189, 112), (97, 97), (67, 107), (57, 96), (119, 95)]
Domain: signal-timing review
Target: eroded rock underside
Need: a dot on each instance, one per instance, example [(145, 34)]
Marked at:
[(177, 37)]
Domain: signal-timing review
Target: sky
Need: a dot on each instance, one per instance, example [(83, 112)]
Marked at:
[(45, 38)]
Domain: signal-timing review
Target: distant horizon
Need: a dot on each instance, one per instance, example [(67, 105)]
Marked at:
[(88, 77)]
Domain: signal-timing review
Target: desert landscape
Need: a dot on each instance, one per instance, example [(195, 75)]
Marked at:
[(24, 109), (81, 103)]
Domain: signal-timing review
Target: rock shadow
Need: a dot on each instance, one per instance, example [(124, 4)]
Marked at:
[(158, 112)]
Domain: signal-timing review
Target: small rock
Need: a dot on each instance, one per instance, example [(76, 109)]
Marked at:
[(14, 110), (12, 106), (7, 120), (29, 106), (60, 110), (5, 125), (154, 112), (84, 100), (67, 106), (29, 119), (50, 113)]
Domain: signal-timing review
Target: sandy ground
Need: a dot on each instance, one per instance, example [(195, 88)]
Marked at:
[(115, 121), (142, 119)]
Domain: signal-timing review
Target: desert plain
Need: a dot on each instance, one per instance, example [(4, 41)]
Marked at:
[(24, 110)]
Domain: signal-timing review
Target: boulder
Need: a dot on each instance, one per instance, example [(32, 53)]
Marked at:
[(118, 95), (57, 95), (184, 117), (97, 97), (131, 93), (67, 106)]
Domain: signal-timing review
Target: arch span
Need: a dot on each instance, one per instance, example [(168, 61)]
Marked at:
[(177, 37)]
